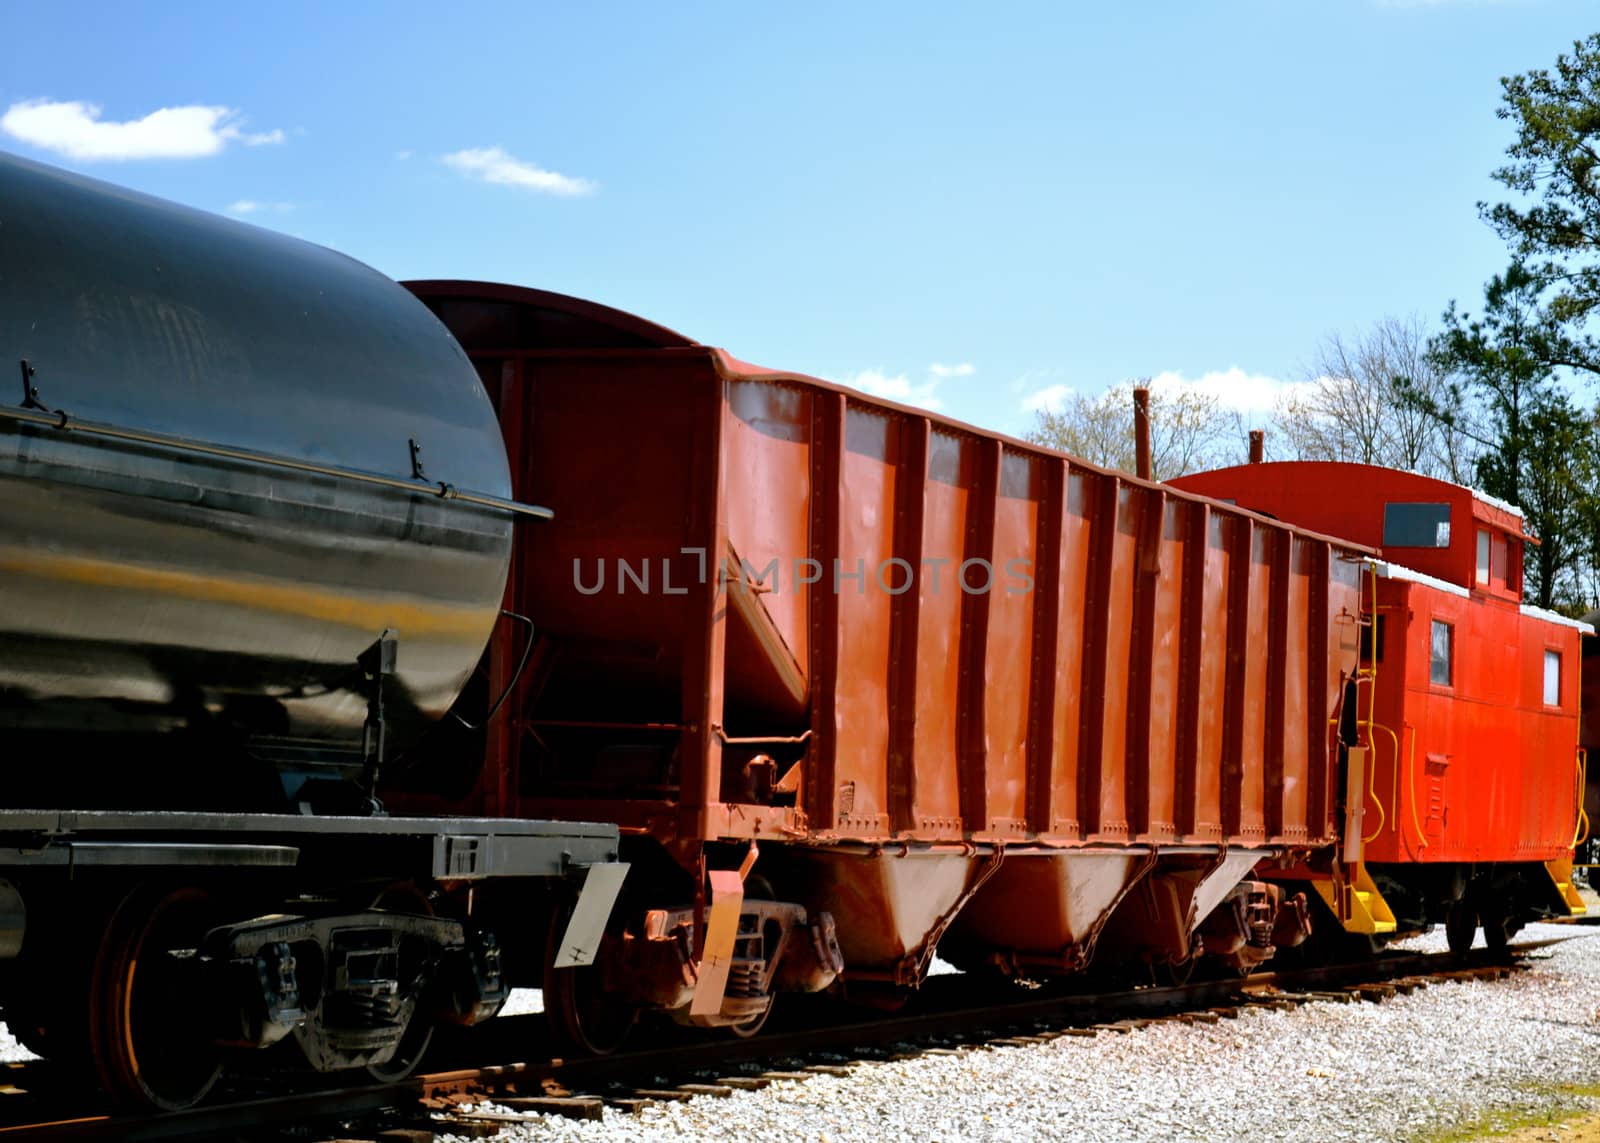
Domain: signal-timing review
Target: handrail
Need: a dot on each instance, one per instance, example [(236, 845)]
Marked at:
[(65, 422), (1581, 832), (1411, 786), (1372, 778), (1373, 726)]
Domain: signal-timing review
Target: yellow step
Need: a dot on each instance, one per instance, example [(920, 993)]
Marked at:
[(1561, 874), (1369, 912)]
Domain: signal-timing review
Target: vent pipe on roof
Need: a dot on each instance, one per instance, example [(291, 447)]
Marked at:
[(1141, 433), (1258, 445)]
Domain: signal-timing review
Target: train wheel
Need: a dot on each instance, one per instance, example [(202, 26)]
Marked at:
[(753, 1025), (1498, 929), (756, 888), (147, 1032), (585, 1015), (1460, 927), (418, 1034)]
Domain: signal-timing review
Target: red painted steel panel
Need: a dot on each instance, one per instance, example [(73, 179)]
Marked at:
[(1216, 656), (1162, 598), (770, 430), (1120, 692), (938, 663), (972, 683), (1073, 623), (1293, 822), (1008, 682), (1116, 600), (1253, 744), (862, 690)]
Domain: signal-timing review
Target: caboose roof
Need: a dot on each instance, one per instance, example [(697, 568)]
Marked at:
[(1421, 523), (1337, 496)]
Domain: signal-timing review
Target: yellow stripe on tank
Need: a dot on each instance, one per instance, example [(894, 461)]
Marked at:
[(326, 607)]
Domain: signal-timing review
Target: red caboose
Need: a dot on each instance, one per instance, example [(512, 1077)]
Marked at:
[(1469, 698)]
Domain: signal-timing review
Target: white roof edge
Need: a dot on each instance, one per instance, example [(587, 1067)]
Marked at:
[(1496, 502), (1557, 617), (1395, 571)]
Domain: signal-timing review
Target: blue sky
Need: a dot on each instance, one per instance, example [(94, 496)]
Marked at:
[(965, 204)]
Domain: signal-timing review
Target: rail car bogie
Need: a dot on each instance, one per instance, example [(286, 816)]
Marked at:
[(154, 947)]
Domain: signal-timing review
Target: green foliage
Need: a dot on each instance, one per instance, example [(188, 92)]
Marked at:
[(1538, 449), (1554, 161)]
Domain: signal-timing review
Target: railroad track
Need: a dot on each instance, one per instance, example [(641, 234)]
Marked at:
[(952, 1015)]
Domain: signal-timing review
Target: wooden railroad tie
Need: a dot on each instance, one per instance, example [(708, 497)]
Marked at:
[(570, 1107)]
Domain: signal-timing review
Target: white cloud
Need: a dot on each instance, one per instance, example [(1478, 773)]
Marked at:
[(1233, 388), (251, 206), (75, 129), (257, 139), (494, 165), (897, 388), (965, 369), (1051, 398), (404, 155)]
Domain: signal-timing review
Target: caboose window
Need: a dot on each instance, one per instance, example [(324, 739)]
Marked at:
[(1416, 525), (1552, 678), (1484, 546), (1441, 652)]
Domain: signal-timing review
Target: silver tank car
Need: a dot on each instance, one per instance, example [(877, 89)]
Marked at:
[(230, 461)]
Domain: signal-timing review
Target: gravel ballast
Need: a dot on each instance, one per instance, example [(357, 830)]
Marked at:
[(1436, 1061)]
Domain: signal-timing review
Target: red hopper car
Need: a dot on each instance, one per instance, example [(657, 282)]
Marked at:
[(858, 682)]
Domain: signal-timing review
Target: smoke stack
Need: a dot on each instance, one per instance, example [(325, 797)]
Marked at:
[(1258, 445), (1141, 433)]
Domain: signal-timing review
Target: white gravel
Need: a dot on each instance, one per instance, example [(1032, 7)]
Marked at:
[(522, 1002), (12, 1052), (1435, 1060)]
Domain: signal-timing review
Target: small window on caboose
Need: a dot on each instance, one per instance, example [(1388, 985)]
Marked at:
[(1485, 545), (1441, 653), (1552, 678), (1416, 525)]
